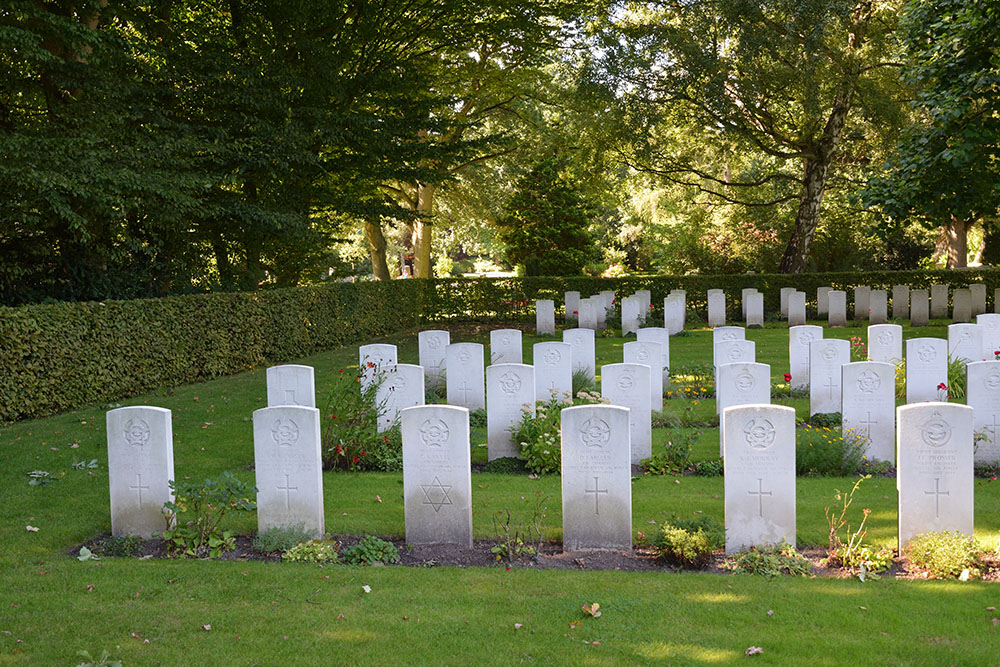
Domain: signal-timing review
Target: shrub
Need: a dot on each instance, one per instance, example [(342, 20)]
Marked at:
[(853, 554), (312, 551), (945, 555), (121, 546), (956, 378), (675, 456), (692, 381), (583, 382), (538, 434), (712, 468), (689, 543), (280, 539), (477, 418), (351, 440), (370, 550), (824, 452), (825, 419), (197, 512), (506, 465), (769, 561)]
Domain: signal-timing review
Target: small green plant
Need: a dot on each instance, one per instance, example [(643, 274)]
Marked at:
[(194, 516), (121, 546), (692, 381), (711, 468), (675, 456), (514, 541), (769, 562), (477, 418), (689, 543), (281, 539), (825, 419), (87, 554), (538, 434), (351, 439), (945, 555), (312, 551), (102, 660), (85, 464), (956, 378), (824, 452), (859, 351), (41, 478), (582, 381), (853, 554), (370, 550), (506, 465)]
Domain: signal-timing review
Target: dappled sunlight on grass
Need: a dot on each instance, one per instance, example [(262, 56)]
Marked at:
[(686, 652), (713, 598)]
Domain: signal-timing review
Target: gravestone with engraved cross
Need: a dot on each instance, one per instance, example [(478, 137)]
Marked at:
[(799, 339), (596, 478), (759, 474), (289, 469), (465, 373), (545, 317), (649, 354), (934, 469), (402, 387), (140, 465), (825, 359), (885, 343), (291, 384), (553, 370), (796, 308), (990, 325), (869, 407), (510, 394), (982, 388), (716, 308), (505, 346), (582, 350), (437, 482), (627, 385), (375, 360), (965, 342), (926, 369), (659, 335), (432, 345), (742, 384)]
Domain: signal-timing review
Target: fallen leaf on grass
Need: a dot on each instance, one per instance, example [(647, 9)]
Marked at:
[(573, 625), (378, 498), (753, 650), (518, 626), (341, 616), (595, 643), (991, 609), (996, 621), (206, 627), (770, 612), (31, 529), (592, 609), (90, 588)]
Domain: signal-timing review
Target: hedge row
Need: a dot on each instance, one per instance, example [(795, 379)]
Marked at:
[(62, 356)]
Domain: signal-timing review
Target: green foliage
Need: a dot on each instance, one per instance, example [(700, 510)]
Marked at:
[(956, 378), (945, 555), (538, 434), (312, 551), (690, 542), (853, 553), (824, 452), (582, 381), (370, 550), (675, 456), (477, 418), (280, 539), (103, 659), (713, 468), (506, 465), (41, 478), (194, 516), (122, 546), (546, 225), (769, 562), (351, 439), (516, 540), (692, 381), (825, 419)]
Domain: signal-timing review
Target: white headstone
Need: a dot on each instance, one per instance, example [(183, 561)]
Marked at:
[(553, 371), (982, 388), (596, 478), (649, 354), (837, 303), (939, 301), (869, 407), (784, 293), (673, 314), (607, 309), (291, 384), (965, 342), (759, 474), (716, 308), (659, 335), (926, 369), (877, 308), (799, 339), (375, 360), (545, 317), (823, 300), (744, 293), (505, 346), (755, 309), (825, 359), (901, 301), (734, 351), (627, 385), (140, 465), (289, 468), (919, 308), (741, 384), (583, 349), (402, 387), (934, 469), (572, 300), (631, 309), (990, 325), (796, 309), (721, 334), (510, 394), (978, 294), (432, 345), (862, 296), (961, 306), (588, 313), (437, 482), (465, 375), (885, 343), (645, 298)]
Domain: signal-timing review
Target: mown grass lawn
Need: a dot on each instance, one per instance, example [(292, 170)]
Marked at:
[(153, 612)]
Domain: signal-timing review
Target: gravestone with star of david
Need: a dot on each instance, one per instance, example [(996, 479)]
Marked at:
[(799, 339), (510, 394), (759, 476), (553, 364), (939, 301), (826, 356), (291, 384), (862, 295), (869, 407), (464, 370), (900, 301), (375, 360), (982, 387), (596, 478), (919, 308), (631, 311), (505, 346), (431, 345), (934, 469), (796, 308), (572, 301), (545, 317), (437, 481), (582, 350), (140, 465), (837, 303), (289, 469), (885, 343), (990, 325), (742, 384), (650, 354), (659, 335), (402, 387), (965, 342), (878, 309), (716, 308), (627, 385), (674, 313), (926, 369)]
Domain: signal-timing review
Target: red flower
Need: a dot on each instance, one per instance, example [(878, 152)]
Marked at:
[(576, 312), (338, 450), (340, 370), (788, 377), (362, 452), (942, 386), (371, 365), (355, 460), (385, 438)]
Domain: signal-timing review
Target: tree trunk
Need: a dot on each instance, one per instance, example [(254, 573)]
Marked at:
[(957, 232), (376, 246), (423, 228), (227, 277)]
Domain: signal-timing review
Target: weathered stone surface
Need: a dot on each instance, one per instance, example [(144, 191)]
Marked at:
[(926, 369), (432, 345), (505, 346), (825, 359), (919, 308), (545, 317), (510, 393), (982, 387), (553, 370), (465, 375), (140, 465), (649, 354), (901, 301), (627, 385), (291, 384), (885, 343), (869, 407)]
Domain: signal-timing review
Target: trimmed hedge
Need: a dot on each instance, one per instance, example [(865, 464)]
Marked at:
[(58, 357)]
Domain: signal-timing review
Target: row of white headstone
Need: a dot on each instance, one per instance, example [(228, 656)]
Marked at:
[(592, 312)]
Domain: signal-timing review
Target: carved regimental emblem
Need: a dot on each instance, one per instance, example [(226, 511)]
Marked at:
[(728, 335), (578, 341), (829, 353), (992, 381), (595, 433), (505, 340), (434, 342), (552, 357), (735, 353), (936, 432), (885, 338), (759, 433), (397, 383), (965, 337), (464, 356), (626, 382), (927, 353), (510, 383), (136, 433), (434, 432), (869, 381), (642, 355), (806, 337), (744, 381), (285, 432)]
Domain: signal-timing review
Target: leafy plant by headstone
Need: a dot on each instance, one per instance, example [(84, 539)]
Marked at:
[(194, 517)]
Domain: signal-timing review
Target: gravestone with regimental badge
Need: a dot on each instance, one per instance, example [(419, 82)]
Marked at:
[(659, 335), (437, 482), (934, 468), (799, 339), (140, 465), (716, 308), (982, 386), (926, 370), (432, 345), (464, 370), (291, 384), (759, 473), (869, 407), (505, 346), (582, 350), (375, 360), (545, 317), (596, 478), (742, 384), (723, 334), (885, 343), (673, 313), (553, 371), (510, 394), (402, 387), (965, 342), (289, 469), (627, 385), (649, 354), (826, 356)]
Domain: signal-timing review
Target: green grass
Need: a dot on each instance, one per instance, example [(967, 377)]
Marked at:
[(279, 613)]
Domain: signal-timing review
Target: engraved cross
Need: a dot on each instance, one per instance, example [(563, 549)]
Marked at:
[(597, 490), (760, 493), (831, 385), (867, 423), (937, 493), (288, 488), (139, 487)]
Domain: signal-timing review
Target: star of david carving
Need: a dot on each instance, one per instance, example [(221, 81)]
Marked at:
[(436, 494)]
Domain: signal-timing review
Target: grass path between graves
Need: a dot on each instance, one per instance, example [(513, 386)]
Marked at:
[(148, 612)]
